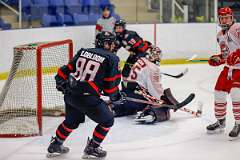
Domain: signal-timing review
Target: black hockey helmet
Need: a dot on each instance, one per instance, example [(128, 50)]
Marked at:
[(120, 22), (104, 37)]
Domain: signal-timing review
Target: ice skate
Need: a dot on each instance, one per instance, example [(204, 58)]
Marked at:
[(234, 134), (56, 148), (218, 127), (91, 152)]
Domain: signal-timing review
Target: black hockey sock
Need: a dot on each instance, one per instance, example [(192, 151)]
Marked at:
[(63, 132), (99, 134)]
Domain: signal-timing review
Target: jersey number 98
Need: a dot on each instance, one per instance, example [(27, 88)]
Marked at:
[(86, 70)]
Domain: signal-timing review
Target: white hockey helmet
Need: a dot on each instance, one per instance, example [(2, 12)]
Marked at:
[(154, 55)]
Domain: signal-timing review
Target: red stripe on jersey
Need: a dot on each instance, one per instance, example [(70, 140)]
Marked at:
[(61, 135), (66, 129), (98, 27), (137, 43), (144, 48), (93, 85), (112, 90), (70, 67), (105, 129), (61, 74), (109, 79), (98, 135)]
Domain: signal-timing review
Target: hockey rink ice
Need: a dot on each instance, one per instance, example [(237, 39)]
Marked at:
[(182, 138)]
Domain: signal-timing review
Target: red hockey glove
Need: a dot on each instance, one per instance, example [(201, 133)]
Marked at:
[(234, 58), (216, 60)]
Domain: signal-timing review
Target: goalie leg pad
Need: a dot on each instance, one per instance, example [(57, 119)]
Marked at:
[(162, 114)]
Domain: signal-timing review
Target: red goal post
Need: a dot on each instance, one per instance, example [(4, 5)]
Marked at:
[(29, 92)]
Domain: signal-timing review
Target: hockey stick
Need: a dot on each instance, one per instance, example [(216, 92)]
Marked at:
[(199, 60), (167, 74), (193, 59), (197, 113), (178, 75), (175, 107)]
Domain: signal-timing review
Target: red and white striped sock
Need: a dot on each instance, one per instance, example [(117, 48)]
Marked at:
[(220, 110), (236, 111)]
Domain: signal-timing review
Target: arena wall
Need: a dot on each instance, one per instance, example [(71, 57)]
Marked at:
[(177, 41)]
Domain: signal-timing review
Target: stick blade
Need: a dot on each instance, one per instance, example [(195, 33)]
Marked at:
[(186, 101)]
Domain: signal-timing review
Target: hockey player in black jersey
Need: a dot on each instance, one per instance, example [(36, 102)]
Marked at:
[(90, 72), (132, 42)]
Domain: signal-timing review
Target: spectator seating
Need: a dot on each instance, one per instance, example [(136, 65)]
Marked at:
[(39, 8), (73, 6), (4, 25), (80, 19), (63, 12), (51, 20)]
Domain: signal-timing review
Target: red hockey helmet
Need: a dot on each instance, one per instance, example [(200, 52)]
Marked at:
[(225, 17)]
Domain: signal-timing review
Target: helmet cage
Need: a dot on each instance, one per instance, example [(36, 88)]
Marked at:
[(223, 13)]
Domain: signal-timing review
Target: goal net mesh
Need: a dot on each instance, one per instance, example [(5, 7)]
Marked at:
[(30, 90)]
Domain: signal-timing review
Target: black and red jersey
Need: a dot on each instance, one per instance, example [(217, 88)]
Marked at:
[(95, 70), (131, 41)]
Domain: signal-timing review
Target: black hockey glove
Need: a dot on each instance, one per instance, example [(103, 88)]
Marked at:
[(118, 99), (62, 85)]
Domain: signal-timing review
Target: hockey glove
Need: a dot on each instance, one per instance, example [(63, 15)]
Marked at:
[(62, 85), (234, 58), (118, 99), (148, 116), (216, 60)]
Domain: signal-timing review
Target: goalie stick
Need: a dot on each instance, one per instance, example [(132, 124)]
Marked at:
[(197, 113), (175, 107)]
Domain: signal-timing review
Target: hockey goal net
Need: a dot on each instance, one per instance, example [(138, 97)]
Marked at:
[(30, 90)]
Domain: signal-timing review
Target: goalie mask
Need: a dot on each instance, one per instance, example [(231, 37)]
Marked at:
[(154, 55), (225, 18), (105, 40)]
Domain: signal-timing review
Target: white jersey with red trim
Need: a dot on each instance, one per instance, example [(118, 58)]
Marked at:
[(230, 40), (105, 24), (147, 75)]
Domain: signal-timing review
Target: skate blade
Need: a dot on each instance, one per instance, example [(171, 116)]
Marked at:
[(218, 131), (90, 157), (234, 138), (52, 155)]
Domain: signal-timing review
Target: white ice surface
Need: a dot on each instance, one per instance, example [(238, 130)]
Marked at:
[(182, 138)]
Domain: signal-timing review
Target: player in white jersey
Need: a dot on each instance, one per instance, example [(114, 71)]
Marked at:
[(229, 79), (145, 75)]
